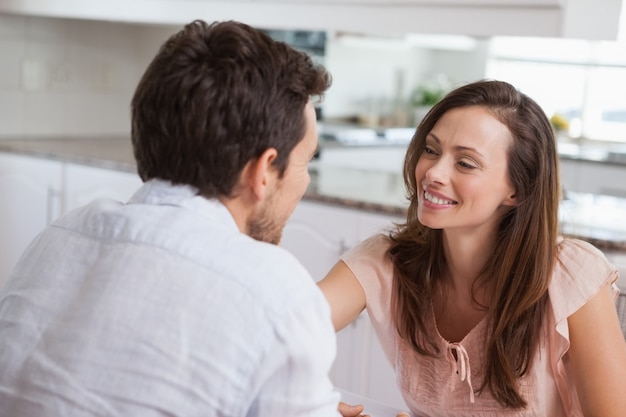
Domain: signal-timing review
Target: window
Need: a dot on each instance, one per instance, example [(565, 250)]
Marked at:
[(582, 81)]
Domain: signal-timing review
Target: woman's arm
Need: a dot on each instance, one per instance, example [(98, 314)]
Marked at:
[(344, 294), (598, 356)]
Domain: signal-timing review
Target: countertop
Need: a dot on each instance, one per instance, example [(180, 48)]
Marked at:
[(109, 152), (600, 220)]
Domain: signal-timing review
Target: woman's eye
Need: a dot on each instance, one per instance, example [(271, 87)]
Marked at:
[(429, 150), (467, 165)]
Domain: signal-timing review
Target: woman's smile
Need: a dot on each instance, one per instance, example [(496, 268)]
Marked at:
[(439, 201), (462, 171)]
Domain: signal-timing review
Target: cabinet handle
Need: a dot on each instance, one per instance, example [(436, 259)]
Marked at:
[(52, 210), (343, 247)]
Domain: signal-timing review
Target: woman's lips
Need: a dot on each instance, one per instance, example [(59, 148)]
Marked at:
[(438, 200)]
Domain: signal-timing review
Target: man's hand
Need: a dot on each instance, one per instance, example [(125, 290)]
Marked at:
[(347, 410)]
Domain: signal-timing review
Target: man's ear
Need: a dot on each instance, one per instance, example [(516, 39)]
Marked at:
[(260, 173)]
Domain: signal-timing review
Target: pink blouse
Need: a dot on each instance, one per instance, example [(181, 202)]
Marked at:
[(444, 385)]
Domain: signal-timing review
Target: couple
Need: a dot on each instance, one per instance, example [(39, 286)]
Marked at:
[(181, 303)]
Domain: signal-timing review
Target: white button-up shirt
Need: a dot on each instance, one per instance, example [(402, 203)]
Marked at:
[(162, 307)]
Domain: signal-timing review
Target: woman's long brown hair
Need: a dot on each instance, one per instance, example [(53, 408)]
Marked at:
[(520, 269)]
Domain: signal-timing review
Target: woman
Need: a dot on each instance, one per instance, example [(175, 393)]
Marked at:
[(480, 306)]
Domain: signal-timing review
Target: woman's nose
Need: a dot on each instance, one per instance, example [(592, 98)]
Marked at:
[(439, 171)]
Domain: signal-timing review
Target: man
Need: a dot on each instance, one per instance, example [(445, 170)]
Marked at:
[(179, 302)]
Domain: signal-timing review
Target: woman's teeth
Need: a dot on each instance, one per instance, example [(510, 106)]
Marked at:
[(436, 200)]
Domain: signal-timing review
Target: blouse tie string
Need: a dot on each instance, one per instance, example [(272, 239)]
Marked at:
[(461, 366)]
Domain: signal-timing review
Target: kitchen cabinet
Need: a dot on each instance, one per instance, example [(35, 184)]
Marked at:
[(374, 174), (85, 183), (381, 382), (602, 178), (569, 174), (618, 258), (593, 177), (35, 191), (553, 18), (30, 189), (317, 234)]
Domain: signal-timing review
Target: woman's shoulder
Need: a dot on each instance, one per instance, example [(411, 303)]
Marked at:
[(580, 271), (374, 246), (370, 262), (569, 245), (577, 259)]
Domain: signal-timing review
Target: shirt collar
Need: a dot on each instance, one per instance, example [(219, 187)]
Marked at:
[(164, 193)]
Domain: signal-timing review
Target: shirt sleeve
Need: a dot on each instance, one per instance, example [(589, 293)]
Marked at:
[(295, 366), (580, 272)]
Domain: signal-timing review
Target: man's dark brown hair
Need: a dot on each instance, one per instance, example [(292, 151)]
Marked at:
[(217, 96)]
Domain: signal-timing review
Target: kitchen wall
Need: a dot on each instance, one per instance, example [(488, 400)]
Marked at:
[(370, 73), (76, 77), (70, 77)]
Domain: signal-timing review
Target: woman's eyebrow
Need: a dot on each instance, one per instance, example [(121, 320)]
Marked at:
[(457, 148)]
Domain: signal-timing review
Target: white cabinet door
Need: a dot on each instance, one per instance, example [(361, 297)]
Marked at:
[(352, 365), (570, 174), (317, 234), (372, 223), (598, 178), (380, 382), (30, 190), (593, 177), (84, 184)]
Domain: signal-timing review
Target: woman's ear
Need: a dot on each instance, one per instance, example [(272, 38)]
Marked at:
[(510, 200), (261, 174)]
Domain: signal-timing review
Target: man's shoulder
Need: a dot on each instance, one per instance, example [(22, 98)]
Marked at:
[(263, 265)]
